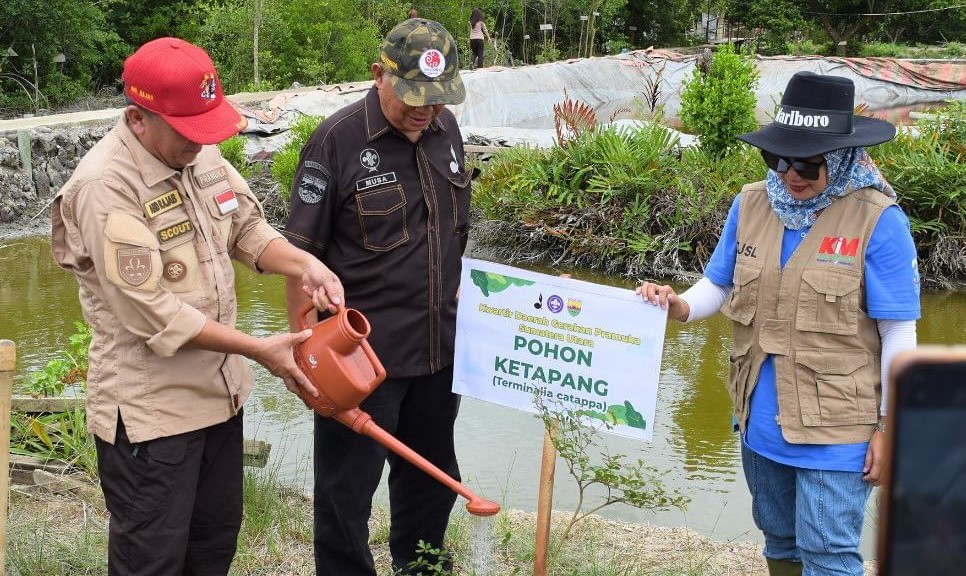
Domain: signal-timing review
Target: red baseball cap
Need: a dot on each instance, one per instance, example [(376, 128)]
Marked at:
[(177, 81)]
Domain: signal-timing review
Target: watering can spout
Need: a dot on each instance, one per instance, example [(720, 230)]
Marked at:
[(344, 369), (362, 423)]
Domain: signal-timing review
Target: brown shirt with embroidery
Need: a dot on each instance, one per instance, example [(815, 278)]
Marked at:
[(390, 218), (151, 248)]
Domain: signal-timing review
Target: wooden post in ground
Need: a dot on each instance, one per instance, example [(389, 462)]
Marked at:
[(544, 506), (8, 361)]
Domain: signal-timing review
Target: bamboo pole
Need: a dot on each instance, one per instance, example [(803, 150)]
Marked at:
[(8, 361), (544, 505)]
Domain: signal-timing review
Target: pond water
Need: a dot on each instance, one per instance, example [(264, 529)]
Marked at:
[(499, 448)]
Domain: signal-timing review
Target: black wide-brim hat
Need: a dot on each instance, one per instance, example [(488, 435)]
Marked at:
[(816, 116)]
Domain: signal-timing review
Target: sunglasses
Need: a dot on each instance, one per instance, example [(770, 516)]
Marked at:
[(807, 170)]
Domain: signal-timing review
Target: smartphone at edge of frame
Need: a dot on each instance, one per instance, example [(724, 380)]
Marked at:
[(923, 464)]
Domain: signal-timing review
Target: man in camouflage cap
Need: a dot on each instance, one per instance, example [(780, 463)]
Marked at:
[(382, 196), (420, 57)]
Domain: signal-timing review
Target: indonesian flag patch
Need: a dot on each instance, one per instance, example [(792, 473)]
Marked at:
[(227, 202)]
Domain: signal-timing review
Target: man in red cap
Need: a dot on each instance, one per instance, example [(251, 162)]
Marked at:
[(149, 224)]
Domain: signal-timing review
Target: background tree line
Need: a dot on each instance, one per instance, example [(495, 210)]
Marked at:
[(53, 52)]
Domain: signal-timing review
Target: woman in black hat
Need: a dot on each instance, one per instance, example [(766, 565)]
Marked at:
[(817, 270)]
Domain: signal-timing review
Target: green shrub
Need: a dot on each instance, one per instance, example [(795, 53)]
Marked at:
[(719, 104), (233, 150), (285, 162), (807, 47), (68, 368), (617, 201), (928, 171)]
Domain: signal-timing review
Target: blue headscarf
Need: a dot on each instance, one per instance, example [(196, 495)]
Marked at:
[(848, 170)]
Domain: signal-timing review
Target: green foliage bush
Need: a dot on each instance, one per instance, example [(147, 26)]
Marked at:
[(928, 171), (719, 104), (68, 368), (300, 41), (620, 201), (285, 161), (630, 203), (58, 435), (893, 50), (233, 150)]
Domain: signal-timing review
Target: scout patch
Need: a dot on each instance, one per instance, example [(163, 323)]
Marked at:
[(369, 159), (163, 203), (134, 265), (377, 180), (175, 270), (227, 201), (314, 182), (175, 230), (211, 177)]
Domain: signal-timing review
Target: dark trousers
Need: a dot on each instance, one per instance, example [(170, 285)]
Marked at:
[(175, 502), (420, 413), (476, 46)]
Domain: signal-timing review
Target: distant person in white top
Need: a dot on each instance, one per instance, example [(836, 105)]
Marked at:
[(478, 34)]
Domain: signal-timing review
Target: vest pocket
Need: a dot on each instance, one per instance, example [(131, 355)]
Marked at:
[(832, 390), (828, 302), (743, 300), (382, 218), (740, 366)]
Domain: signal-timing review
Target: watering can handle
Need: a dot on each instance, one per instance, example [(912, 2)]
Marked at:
[(380, 372), (310, 307)]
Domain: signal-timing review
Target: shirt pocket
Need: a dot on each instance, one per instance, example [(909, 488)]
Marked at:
[(221, 230), (460, 188), (179, 260), (131, 258), (743, 300), (830, 386), (828, 302), (382, 218)]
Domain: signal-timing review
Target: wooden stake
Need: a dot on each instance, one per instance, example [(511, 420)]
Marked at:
[(8, 362), (544, 506)]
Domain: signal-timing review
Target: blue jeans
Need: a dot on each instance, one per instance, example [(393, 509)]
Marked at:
[(809, 516)]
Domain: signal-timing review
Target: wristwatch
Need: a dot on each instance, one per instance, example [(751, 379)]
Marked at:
[(880, 426)]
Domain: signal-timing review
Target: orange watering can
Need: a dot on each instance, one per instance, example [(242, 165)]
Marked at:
[(345, 370)]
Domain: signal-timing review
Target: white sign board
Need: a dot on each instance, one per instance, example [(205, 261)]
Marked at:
[(546, 26), (588, 347)]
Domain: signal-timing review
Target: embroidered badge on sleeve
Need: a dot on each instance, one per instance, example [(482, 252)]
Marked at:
[(314, 182), (227, 201), (134, 265)]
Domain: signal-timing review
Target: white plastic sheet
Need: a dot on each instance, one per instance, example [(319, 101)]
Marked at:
[(516, 104)]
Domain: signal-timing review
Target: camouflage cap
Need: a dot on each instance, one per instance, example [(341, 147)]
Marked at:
[(420, 57)]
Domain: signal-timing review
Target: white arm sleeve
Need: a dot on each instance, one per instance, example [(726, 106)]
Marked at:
[(896, 336), (704, 299)]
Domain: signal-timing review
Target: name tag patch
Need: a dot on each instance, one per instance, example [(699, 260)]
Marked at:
[(227, 201), (377, 180), (314, 182), (211, 177), (163, 203), (175, 230)]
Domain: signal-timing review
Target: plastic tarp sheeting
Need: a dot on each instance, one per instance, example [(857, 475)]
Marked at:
[(515, 105)]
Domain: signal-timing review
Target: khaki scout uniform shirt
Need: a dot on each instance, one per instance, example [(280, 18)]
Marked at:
[(811, 315), (151, 249), (390, 218)]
